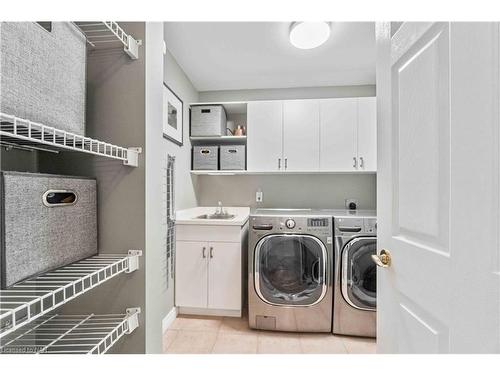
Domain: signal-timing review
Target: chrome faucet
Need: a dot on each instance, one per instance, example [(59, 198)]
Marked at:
[(220, 209)]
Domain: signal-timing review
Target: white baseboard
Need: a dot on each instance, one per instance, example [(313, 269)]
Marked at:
[(212, 312), (169, 319)]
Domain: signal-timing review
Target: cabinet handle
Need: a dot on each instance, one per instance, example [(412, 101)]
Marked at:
[(204, 252), (355, 164), (361, 162), (211, 252), (286, 163), (279, 163)]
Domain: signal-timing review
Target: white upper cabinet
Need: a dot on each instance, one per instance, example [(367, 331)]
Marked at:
[(326, 135), (301, 135), (339, 122), (367, 134), (265, 136), (348, 134)]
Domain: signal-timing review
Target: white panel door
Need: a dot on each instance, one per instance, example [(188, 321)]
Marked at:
[(224, 276), (265, 136), (338, 128), (191, 272), (367, 134), (301, 135), (438, 171)]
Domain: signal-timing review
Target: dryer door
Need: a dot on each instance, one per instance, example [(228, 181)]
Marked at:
[(290, 269), (359, 273)]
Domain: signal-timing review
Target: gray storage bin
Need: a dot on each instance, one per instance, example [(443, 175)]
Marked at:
[(47, 221), (208, 121), (42, 74), (232, 157), (205, 157)]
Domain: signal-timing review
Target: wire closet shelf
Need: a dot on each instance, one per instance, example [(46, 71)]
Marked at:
[(71, 334), (22, 133), (31, 299), (108, 34)]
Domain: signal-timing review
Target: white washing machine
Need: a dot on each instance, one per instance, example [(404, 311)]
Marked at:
[(355, 290)]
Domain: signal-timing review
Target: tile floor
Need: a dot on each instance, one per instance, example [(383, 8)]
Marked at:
[(216, 335)]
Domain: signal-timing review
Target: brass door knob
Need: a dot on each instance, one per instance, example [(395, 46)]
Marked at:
[(383, 259)]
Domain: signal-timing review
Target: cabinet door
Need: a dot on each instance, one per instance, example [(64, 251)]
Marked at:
[(367, 134), (224, 276), (301, 135), (191, 271), (265, 136), (338, 127)]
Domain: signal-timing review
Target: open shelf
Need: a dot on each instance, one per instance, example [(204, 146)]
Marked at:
[(226, 139), (71, 334), (32, 298), (108, 34), (18, 132), (244, 172)]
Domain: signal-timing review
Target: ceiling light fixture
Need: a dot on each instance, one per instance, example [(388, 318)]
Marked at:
[(307, 35)]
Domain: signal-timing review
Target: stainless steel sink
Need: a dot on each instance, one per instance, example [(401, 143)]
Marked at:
[(216, 217)]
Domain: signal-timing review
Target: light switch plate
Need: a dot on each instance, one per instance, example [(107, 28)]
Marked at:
[(259, 196)]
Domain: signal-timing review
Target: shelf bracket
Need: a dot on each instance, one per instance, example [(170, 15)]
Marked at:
[(132, 47), (133, 260), (132, 319), (133, 156)]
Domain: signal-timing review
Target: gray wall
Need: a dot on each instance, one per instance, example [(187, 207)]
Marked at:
[(289, 191), (115, 113), (300, 191), (18, 160), (176, 79), (185, 184), (288, 93)]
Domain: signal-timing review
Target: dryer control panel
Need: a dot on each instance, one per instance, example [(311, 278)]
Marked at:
[(350, 226), (370, 225)]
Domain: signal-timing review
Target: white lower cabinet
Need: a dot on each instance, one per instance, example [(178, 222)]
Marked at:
[(191, 274), (209, 273), (224, 276)]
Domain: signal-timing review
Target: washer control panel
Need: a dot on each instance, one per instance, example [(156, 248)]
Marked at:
[(317, 222), (314, 225)]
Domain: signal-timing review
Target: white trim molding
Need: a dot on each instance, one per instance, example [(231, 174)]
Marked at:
[(168, 319)]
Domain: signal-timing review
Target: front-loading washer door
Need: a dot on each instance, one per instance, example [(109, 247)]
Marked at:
[(359, 273), (290, 269)]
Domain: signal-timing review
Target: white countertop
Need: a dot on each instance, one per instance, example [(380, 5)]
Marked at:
[(189, 215)]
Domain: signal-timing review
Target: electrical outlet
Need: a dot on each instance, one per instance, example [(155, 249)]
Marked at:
[(259, 196), (351, 204)]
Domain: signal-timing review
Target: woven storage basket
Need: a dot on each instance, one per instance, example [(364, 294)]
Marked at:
[(42, 74)]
